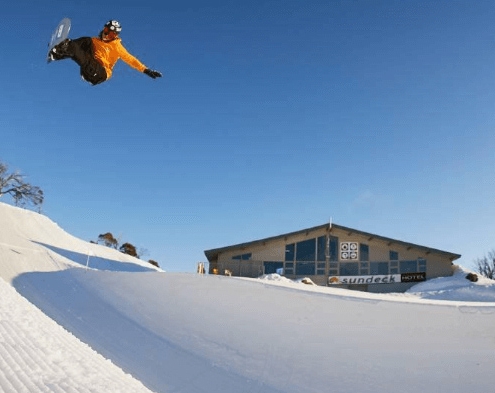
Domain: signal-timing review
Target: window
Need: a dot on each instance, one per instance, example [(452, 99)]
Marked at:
[(306, 250), (334, 248), (290, 250), (349, 269), (334, 269), (364, 252), (308, 256), (421, 265), (393, 255), (289, 268), (272, 267), (408, 266), (378, 268), (305, 268), (243, 257), (321, 246)]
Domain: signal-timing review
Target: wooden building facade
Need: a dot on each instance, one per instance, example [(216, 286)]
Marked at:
[(334, 255)]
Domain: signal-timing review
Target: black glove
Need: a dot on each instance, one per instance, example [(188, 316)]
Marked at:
[(152, 74)]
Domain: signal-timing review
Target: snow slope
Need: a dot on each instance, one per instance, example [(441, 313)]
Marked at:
[(38, 355), (190, 333)]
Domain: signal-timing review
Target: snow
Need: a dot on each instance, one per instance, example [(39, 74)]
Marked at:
[(38, 355), (456, 287), (80, 317)]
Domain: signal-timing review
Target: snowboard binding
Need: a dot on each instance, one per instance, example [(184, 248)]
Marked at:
[(60, 51)]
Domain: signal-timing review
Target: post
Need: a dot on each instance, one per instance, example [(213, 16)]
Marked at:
[(87, 261)]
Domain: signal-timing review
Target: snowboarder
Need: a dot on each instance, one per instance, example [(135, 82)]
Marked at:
[(97, 55)]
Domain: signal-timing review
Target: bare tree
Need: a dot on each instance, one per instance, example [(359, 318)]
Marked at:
[(486, 265), (13, 184), (142, 252)]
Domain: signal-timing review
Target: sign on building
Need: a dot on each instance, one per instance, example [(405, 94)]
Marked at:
[(377, 279), (349, 251)]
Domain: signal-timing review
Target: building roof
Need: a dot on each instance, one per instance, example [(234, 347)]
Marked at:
[(212, 254)]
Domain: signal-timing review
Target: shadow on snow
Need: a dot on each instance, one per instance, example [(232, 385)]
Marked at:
[(95, 262), (66, 296)]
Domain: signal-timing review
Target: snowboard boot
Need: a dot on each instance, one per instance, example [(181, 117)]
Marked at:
[(61, 50)]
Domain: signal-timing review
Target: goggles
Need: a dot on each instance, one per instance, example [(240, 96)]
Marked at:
[(109, 33)]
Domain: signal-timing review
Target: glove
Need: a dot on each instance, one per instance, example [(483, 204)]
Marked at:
[(152, 74)]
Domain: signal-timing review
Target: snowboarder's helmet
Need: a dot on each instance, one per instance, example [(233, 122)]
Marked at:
[(113, 25)]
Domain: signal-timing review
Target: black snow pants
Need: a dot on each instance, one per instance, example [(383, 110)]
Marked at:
[(81, 50)]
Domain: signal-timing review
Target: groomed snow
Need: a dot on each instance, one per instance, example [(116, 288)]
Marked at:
[(38, 355), (101, 321)]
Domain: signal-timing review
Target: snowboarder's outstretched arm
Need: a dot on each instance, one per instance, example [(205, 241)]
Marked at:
[(135, 63)]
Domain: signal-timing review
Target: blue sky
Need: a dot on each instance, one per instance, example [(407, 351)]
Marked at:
[(271, 116)]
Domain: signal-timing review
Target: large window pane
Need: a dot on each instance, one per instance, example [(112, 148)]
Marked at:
[(289, 252), (322, 245), (306, 250), (364, 252), (334, 248)]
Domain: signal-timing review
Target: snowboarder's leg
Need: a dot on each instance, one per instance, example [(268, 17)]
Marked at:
[(91, 70), (77, 50), (82, 52)]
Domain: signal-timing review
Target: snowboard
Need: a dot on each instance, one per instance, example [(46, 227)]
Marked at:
[(60, 34)]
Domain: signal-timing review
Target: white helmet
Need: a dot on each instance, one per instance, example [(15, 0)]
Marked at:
[(114, 25)]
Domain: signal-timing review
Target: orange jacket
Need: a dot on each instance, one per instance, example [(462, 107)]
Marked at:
[(107, 53)]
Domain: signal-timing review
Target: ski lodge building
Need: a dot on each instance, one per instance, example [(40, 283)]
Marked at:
[(333, 255)]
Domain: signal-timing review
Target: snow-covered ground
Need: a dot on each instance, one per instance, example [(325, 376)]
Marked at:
[(38, 355), (79, 317)]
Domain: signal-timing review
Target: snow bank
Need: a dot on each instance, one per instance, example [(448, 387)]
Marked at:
[(281, 279), (456, 287), (32, 242)]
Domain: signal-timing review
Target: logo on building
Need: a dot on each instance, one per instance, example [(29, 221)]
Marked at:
[(349, 251), (377, 279)]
